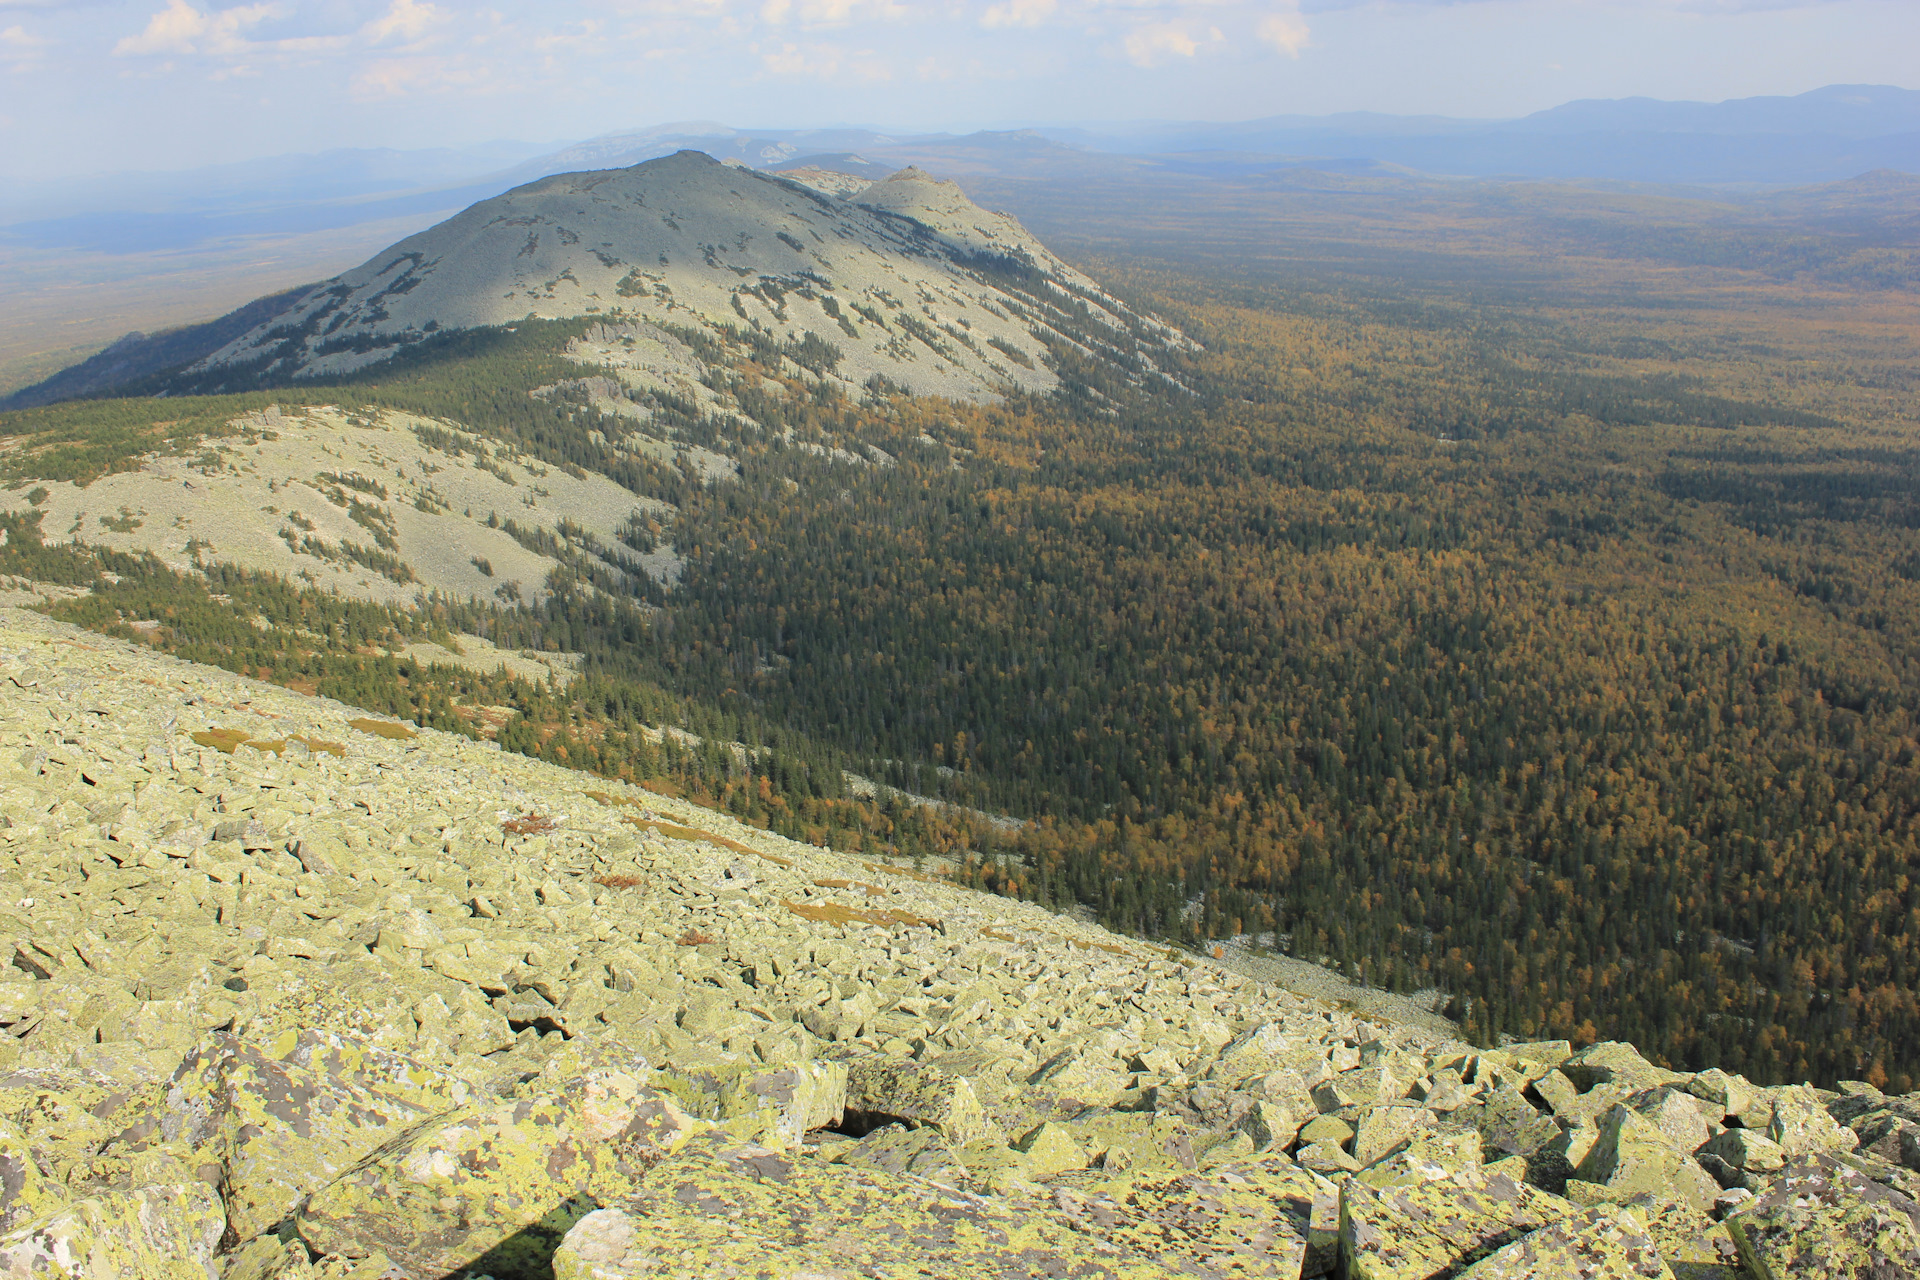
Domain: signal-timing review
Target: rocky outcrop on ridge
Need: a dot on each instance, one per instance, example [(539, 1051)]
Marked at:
[(295, 992), (903, 278)]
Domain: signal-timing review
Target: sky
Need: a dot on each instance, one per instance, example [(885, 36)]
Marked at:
[(90, 86)]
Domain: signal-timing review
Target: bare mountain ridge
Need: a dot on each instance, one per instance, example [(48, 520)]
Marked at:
[(904, 278)]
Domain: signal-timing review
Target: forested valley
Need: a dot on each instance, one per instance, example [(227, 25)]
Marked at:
[(1561, 655)]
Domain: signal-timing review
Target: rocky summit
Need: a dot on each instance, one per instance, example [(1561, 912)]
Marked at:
[(297, 992), (905, 278)]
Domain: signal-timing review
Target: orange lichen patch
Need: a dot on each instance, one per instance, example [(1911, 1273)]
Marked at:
[(1081, 944), (871, 890), (384, 729), (995, 933), (529, 824), (834, 913), (229, 740), (221, 739), (675, 832), (694, 938), (619, 882)]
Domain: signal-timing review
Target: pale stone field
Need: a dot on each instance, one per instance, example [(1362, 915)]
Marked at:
[(299, 993), (277, 498)]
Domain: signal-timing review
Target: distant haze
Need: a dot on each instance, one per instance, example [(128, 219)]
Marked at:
[(91, 86)]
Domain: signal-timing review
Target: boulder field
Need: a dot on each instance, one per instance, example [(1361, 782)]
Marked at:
[(297, 992)]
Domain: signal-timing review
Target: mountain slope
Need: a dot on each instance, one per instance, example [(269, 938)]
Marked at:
[(906, 279), (140, 354)]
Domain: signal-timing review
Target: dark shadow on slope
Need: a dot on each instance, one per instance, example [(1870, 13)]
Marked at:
[(527, 1254)]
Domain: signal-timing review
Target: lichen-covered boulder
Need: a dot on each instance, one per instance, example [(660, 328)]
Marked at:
[(1615, 1062), (1549, 1053), (1821, 1220), (1051, 1150), (24, 1193), (1271, 1124), (493, 1187), (789, 1101), (894, 1148), (1607, 1243), (1082, 1077), (1430, 1153), (1802, 1125), (1633, 1158), (1267, 1047), (883, 1089), (1140, 1141), (1502, 1117), (1261, 1217), (726, 1212), (1889, 1136), (1379, 1130), (284, 1119), (270, 1258), (58, 1117), (1326, 1158), (154, 1233), (1728, 1094), (1437, 1227), (1694, 1246), (1747, 1152), (1676, 1113)]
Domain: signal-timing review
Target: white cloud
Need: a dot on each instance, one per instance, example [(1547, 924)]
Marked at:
[(181, 28), (829, 13), (20, 49), (824, 62), (1286, 32), (406, 19), (1153, 43), (1018, 13), (386, 78)]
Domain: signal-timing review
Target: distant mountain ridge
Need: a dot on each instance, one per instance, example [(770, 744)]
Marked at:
[(1826, 135)]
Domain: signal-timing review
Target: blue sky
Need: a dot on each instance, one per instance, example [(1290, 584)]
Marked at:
[(91, 85)]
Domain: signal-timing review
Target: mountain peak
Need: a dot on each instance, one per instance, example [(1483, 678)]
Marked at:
[(905, 278)]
